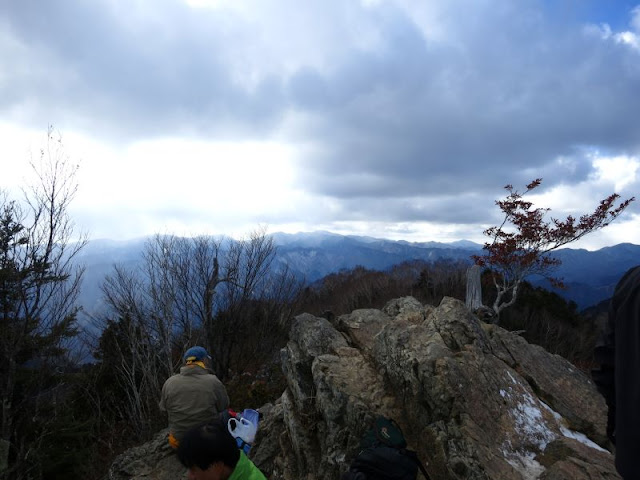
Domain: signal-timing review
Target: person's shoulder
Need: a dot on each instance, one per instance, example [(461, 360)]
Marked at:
[(170, 382), (172, 378), (214, 381)]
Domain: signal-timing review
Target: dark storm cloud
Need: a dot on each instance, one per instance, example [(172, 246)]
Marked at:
[(438, 209), (484, 112), (423, 111), (131, 71)]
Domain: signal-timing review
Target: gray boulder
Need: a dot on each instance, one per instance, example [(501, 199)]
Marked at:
[(474, 401), (155, 460)]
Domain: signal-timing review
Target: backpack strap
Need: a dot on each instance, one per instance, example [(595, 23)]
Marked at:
[(414, 457), (422, 469)]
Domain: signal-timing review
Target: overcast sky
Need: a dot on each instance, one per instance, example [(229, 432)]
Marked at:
[(393, 119)]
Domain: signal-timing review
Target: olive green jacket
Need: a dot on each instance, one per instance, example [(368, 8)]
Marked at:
[(192, 397)]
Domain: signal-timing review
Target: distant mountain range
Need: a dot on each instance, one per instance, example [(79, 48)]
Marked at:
[(589, 276), (318, 254)]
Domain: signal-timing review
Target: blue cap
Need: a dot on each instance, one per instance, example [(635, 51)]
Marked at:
[(195, 354)]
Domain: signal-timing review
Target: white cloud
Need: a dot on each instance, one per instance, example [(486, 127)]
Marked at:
[(388, 117), (618, 174), (197, 186), (602, 30), (627, 37), (615, 174), (212, 3), (621, 171)]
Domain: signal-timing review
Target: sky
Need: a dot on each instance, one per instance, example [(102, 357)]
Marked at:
[(393, 119)]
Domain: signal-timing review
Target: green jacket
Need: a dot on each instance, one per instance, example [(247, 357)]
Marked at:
[(192, 397), (246, 470)]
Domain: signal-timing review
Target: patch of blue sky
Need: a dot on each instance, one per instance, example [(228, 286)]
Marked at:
[(615, 13)]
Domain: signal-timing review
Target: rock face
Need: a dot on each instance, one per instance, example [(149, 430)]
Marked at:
[(154, 460), (474, 401)]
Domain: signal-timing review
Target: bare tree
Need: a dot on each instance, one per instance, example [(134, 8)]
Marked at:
[(131, 344), (256, 304), (218, 292), (159, 279), (39, 284)]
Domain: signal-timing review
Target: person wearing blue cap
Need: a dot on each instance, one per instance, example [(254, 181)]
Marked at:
[(192, 397)]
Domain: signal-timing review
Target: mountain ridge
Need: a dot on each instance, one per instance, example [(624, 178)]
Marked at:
[(589, 275)]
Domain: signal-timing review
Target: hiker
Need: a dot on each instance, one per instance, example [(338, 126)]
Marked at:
[(618, 378), (211, 453), (193, 396)]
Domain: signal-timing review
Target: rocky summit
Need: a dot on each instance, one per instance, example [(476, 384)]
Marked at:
[(473, 400)]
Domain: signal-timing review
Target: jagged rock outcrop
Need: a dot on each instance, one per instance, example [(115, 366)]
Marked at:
[(154, 460), (475, 401)]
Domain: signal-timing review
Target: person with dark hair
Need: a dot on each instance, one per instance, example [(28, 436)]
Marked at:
[(209, 452), (618, 378), (193, 396)]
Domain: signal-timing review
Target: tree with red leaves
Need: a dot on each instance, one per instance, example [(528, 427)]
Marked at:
[(515, 253)]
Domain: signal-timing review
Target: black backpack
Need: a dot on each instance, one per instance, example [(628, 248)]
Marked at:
[(384, 455)]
